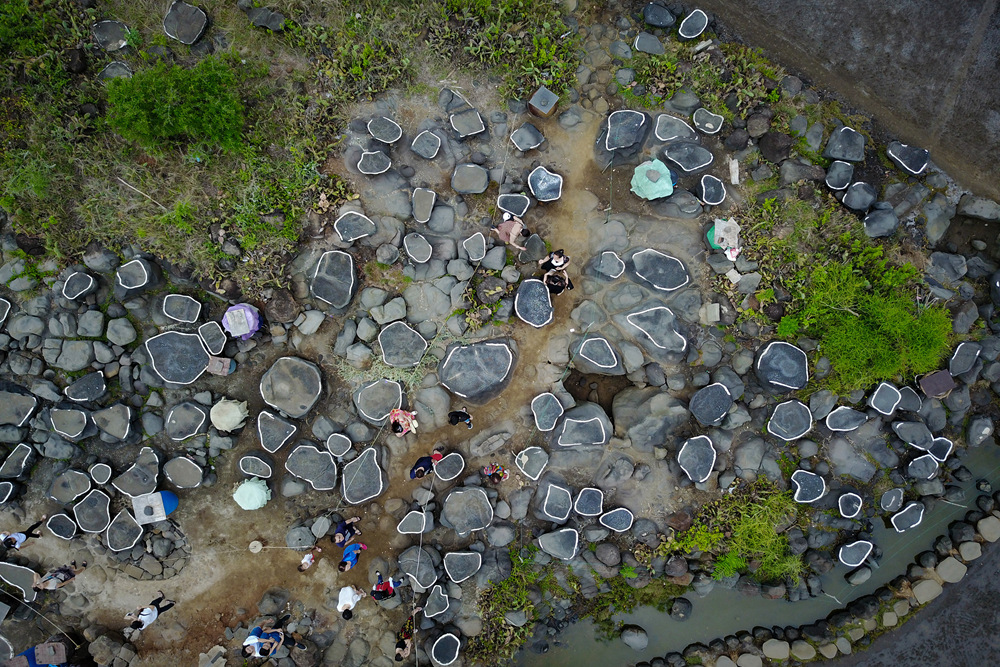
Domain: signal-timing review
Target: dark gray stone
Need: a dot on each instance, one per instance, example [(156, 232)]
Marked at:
[(363, 479), (560, 544), (445, 649), (178, 358), (69, 486), (839, 175), (62, 526), (449, 467), (376, 399), (313, 465), (860, 196), (910, 159), (844, 418), (373, 163), (460, 565), (849, 505), (78, 284), (625, 128), (915, 434), (964, 358), (809, 487), (557, 502), (385, 129), (697, 458), (846, 144), (92, 513), (515, 204), (709, 405), (478, 372), (790, 420), (546, 410), (16, 405), (532, 461), (418, 563), (545, 185), (527, 137), (123, 532), (880, 222), (436, 603), (185, 23), (909, 517), (274, 431), (658, 16), (90, 387), (467, 123), (402, 347), (647, 43), (334, 281), (470, 179), (426, 145), (532, 303), (891, 500), (658, 270), (707, 122), (141, 477), (922, 467), (711, 191), (475, 247), (291, 385), (619, 519), (885, 399), (585, 424), (257, 465), (110, 35), (693, 24), (594, 354), (352, 226), (589, 502), (689, 157), (670, 128), (782, 367), (855, 553), (466, 510)]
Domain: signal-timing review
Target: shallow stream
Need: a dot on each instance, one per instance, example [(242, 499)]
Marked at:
[(723, 612)]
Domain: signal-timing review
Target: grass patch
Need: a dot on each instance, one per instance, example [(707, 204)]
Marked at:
[(525, 40), (623, 599)]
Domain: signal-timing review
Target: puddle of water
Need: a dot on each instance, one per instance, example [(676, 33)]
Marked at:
[(725, 612)]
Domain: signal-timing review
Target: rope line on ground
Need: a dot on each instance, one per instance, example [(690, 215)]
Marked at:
[(47, 619)]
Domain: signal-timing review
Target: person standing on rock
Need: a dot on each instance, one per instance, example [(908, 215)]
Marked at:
[(309, 559), (556, 259), (345, 532), (425, 464), (58, 577), (402, 422), (348, 598), (495, 472), (456, 417), (14, 541), (142, 617), (404, 638), (351, 554), (383, 590)]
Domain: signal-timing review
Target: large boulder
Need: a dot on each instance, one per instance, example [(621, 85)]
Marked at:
[(478, 372), (648, 416)]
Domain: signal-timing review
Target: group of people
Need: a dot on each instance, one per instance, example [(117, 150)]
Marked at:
[(511, 229), (402, 421)]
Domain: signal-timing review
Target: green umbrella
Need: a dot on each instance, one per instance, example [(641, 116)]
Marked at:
[(652, 180), (252, 494)]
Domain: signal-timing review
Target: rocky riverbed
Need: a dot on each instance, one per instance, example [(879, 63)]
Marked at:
[(621, 408)]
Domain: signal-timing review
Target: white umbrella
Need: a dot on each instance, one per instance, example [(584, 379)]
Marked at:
[(252, 494)]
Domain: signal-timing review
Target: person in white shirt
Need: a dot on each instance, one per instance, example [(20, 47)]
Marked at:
[(349, 596), (14, 541), (309, 559), (143, 616)]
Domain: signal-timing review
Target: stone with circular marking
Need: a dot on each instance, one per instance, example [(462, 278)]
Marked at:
[(178, 358), (92, 513), (385, 129), (466, 509), (706, 121), (274, 431), (352, 226), (533, 303), (16, 462), (560, 544), (697, 458), (78, 285), (662, 272), (426, 145), (373, 163), (445, 649), (515, 204), (363, 479), (313, 465), (184, 22), (460, 565), (688, 156), (527, 137), (69, 486), (418, 563), (891, 500), (908, 518), (625, 128), (782, 367), (844, 418), (709, 405), (62, 526), (849, 505), (142, 476), (291, 385), (790, 420), (417, 248), (619, 519), (589, 502), (532, 461), (335, 281), (123, 532), (839, 175), (693, 24), (469, 179), (467, 123), (478, 372), (885, 399), (545, 185), (809, 487), (183, 472), (546, 409), (376, 399)]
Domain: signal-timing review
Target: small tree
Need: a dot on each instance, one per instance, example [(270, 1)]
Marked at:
[(167, 104)]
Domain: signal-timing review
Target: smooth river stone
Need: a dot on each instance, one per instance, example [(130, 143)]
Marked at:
[(656, 329), (477, 372), (809, 487), (16, 462), (619, 519), (470, 179), (100, 473), (352, 226), (545, 185), (860, 197), (891, 500), (114, 420), (90, 387), (964, 358), (418, 248), (844, 418), (475, 247), (782, 367), (62, 526), (213, 337), (123, 532), (846, 144), (181, 308), (560, 544), (68, 423), (467, 123), (377, 399), (115, 70), (589, 502), (466, 510), (922, 467), (915, 434), (697, 458), (274, 431), (178, 358), (77, 285), (532, 462), (608, 265), (855, 553), (546, 410), (849, 505), (422, 204), (8, 491), (16, 405), (839, 175), (185, 23), (256, 465), (706, 121), (338, 444), (941, 449), (558, 503), (402, 347), (594, 354), (183, 472), (709, 405), (313, 465), (711, 190), (19, 577), (515, 204), (426, 145), (693, 24), (624, 129), (527, 137), (362, 478), (445, 649), (885, 399), (909, 517), (449, 467), (69, 486), (436, 603), (790, 420), (141, 477), (585, 424), (335, 281), (373, 163), (185, 420), (533, 303), (92, 513), (110, 35), (659, 270), (418, 563), (292, 385), (689, 157), (910, 159), (460, 565), (670, 128), (385, 129)]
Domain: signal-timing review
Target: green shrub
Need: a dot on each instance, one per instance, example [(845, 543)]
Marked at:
[(167, 104)]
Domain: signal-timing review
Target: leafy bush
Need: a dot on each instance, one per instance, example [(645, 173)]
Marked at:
[(167, 104)]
